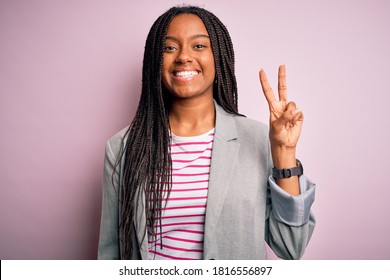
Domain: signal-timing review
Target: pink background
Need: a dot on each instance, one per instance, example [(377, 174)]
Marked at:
[(70, 78)]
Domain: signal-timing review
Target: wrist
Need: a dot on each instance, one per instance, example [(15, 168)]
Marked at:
[(283, 157)]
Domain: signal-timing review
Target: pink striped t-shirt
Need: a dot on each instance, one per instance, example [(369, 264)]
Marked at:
[(183, 217)]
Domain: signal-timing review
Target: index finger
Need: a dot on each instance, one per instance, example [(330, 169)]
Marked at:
[(267, 90)]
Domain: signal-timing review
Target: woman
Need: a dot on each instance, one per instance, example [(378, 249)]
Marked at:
[(191, 178)]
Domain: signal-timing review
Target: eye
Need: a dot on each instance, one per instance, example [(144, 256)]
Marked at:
[(200, 46), (169, 49)]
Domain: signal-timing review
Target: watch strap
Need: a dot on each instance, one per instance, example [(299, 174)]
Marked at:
[(288, 172)]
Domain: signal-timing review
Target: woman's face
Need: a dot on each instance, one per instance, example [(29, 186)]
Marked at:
[(188, 63)]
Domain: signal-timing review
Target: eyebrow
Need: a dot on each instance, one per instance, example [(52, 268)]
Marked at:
[(192, 37)]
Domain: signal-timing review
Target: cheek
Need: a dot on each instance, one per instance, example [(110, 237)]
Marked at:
[(210, 66), (165, 72), (209, 61)]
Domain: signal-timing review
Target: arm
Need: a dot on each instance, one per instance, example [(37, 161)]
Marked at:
[(285, 128), (108, 239), (290, 223)]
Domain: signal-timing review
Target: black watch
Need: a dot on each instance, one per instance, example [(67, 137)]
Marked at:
[(287, 173)]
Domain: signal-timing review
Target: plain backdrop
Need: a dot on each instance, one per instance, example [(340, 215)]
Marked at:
[(70, 77)]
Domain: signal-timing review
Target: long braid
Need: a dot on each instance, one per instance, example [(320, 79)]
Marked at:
[(147, 166)]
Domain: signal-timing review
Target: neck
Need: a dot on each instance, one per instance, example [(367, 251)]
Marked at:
[(192, 117)]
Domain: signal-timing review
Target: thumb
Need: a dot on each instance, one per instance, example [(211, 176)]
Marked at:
[(287, 118)]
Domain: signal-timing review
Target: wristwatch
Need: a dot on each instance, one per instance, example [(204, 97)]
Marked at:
[(287, 173)]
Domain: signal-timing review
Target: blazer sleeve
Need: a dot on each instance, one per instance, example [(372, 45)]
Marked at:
[(109, 237), (289, 220)]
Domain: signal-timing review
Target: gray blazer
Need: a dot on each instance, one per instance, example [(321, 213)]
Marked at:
[(245, 207)]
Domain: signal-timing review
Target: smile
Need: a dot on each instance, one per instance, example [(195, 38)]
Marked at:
[(185, 74)]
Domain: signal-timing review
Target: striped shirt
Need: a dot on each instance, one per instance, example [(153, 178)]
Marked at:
[(183, 217)]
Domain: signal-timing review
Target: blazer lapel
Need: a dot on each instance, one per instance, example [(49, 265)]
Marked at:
[(223, 163)]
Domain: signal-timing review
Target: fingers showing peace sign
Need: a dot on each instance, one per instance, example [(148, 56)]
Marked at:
[(285, 119)]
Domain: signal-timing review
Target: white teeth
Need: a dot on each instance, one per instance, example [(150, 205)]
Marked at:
[(186, 74)]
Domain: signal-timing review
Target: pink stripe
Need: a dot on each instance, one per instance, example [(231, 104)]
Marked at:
[(168, 256), (186, 198), (195, 174), (191, 152), (191, 143), (184, 240), (184, 207), (187, 190), (190, 182), (183, 216), (179, 249), (181, 190), (180, 224), (211, 134), (175, 230), (190, 160)]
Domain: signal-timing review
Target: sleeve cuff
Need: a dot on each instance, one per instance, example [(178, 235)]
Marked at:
[(289, 209)]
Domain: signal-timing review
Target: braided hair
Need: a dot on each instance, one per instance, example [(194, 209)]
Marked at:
[(146, 174)]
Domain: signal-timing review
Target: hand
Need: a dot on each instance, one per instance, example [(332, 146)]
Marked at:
[(285, 119)]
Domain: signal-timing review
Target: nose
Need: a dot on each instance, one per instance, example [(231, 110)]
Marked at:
[(184, 56)]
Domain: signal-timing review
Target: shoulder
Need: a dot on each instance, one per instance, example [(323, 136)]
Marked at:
[(116, 141), (250, 128), (230, 126), (241, 124), (247, 123)]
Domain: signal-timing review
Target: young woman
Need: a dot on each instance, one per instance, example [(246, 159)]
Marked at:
[(191, 178)]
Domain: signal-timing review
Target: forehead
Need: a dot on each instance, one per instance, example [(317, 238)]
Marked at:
[(186, 24)]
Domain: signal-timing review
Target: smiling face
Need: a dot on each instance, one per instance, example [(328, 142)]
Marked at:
[(188, 69)]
